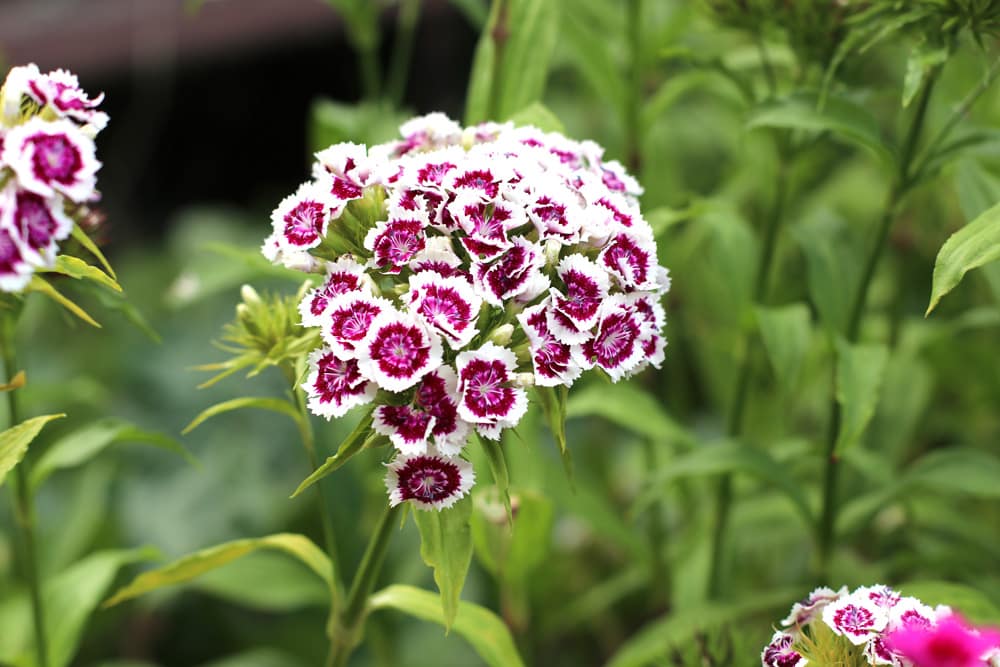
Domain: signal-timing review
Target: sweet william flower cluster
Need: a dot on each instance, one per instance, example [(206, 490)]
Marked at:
[(876, 625), (460, 266), (48, 167)]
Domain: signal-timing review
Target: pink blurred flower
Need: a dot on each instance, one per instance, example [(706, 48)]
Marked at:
[(950, 643)]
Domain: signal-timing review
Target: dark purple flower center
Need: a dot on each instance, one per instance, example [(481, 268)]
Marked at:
[(479, 179), (854, 620), (351, 322), (433, 173), (626, 258), (428, 478), (401, 240), (338, 282), (485, 392), (304, 223), (399, 350), (583, 295), (36, 222), (56, 159), (445, 303), (615, 340), (338, 379), (10, 254)]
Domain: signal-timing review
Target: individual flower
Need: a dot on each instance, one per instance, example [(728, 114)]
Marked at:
[(398, 350), (449, 304), (52, 156), (857, 617), (486, 383), (39, 222), (348, 318), (552, 360), (616, 346), (301, 219), (335, 385), (394, 243), (779, 652), (430, 481), (951, 642), (342, 276)]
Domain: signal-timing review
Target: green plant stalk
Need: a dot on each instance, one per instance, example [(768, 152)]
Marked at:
[(350, 621), (660, 579), (499, 34), (737, 409), (406, 25), (903, 182), (24, 506), (633, 100)]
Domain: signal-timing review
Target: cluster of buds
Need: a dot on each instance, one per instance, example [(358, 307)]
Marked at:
[(48, 167), (876, 625), (460, 266)]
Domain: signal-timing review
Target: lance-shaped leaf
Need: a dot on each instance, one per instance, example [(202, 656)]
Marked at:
[(859, 380), (974, 245), (81, 237), (498, 467), (279, 405), (843, 118), (19, 380), (486, 632), (351, 445), (81, 446), (39, 284), (193, 565), (15, 440), (76, 268), (446, 546), (622, 406)]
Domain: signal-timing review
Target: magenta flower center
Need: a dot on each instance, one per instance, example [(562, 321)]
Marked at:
[(56, 159), (485, 393), (304, 223), (429, 479), (399, 350), (35, 219), (854, 620)]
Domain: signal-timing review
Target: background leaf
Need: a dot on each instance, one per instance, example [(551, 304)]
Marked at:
[(974, 245), (785, 332), (479, 626), (15, 440), (859, 380)]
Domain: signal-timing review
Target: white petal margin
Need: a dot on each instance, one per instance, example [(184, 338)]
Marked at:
[(489, 398), (398, 350), (430, 481), (450, 305), (50, 157), (334, 386)]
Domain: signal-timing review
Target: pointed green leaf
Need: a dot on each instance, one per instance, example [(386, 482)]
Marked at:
[(678, 629), (622, 406), (840, 116), (785, 332), (486, 632), (831, 269), (351, 445), (289, 585), (859, 380), (19, 380), (76, 268), (512, 551), (957, 471), (725, 457), (38, 284), (193, 565), (498, 468), (923, 58), (446, 546), (81, 237), (974, 245), (15, 440), (84, 444), (279, 405)]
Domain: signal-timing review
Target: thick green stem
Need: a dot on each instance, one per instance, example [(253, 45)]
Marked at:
[(633, 100), (350, 621), (737, 407), (500, 34), (903, 181), (24, 507), (406, 26)]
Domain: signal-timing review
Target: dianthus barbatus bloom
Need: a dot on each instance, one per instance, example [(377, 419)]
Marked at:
[(48, 165), (454, 268), (879, 626)]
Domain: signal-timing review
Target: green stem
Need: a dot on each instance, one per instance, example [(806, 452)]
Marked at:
[(350, 621), (633, 100), (737, 407), (24, 507), (903, 182), (660, 579), (499, 35), (406, 26), (957, 115)]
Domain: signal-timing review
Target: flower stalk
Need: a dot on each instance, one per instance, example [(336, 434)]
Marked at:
[(348, 624), (24, 506)]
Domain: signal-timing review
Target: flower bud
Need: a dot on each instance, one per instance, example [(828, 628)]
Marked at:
[(501, 335), (249, 295)]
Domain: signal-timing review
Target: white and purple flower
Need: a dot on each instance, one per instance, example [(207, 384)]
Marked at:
[(490, 398), (431, 481), (779, 652), (52, 156), (398, 351), (301, 219), (450, 305), (334, 385)]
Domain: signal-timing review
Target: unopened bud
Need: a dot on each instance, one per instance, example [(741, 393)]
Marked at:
[(524, 379), (552, 249), (249, 295), (501, 335)]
